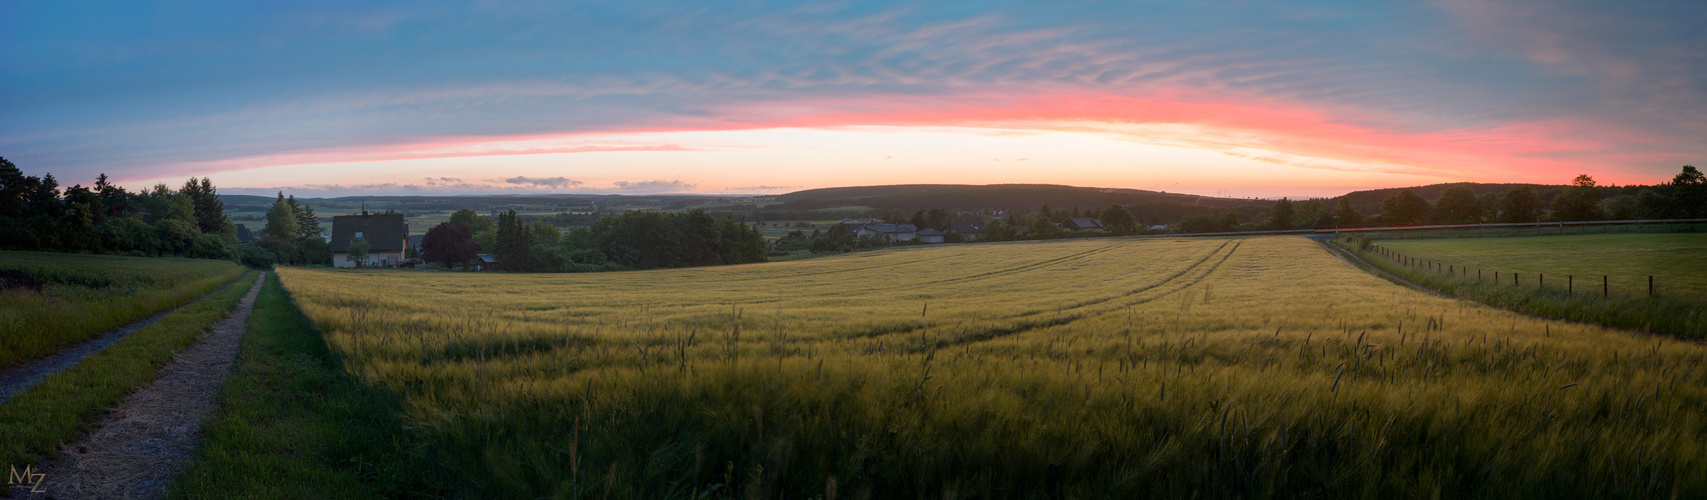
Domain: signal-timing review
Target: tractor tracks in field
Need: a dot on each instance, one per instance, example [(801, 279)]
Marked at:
[(1178, 282), (18, 379)]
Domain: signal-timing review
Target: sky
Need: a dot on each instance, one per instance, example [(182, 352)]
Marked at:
[(1247, 99)]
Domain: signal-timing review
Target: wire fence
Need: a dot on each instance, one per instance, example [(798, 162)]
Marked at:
[(1517, 279)]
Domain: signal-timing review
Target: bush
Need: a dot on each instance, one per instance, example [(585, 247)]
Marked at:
[(255, 257)]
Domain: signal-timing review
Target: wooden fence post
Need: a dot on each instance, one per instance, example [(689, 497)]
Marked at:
[(1570, 285), (1605, 291), (1650, 285)]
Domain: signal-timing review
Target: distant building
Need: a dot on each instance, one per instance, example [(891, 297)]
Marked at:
[(387, 236), (487, 262), (929, 236), (972, 230), (888, 232), (1078, 223)]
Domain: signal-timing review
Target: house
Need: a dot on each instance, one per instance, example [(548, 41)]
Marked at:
[(972, 230), (487, 262), (928, 235), (888, 232), (415, 242), (1078, 223), (243, 235), (386, 235)]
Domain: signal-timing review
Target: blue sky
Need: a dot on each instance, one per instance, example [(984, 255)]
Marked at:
[(1238, 98)]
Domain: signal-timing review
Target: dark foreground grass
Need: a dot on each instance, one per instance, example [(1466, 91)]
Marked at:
[(292, 424), (61, 407), (1675, 313)]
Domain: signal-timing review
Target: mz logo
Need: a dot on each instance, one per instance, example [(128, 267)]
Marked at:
[(28, 479)]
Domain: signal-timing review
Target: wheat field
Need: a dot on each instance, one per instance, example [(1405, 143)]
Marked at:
[(1254, 367)]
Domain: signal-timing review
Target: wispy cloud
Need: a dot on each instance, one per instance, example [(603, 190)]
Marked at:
[(658, 186), (555, 182)]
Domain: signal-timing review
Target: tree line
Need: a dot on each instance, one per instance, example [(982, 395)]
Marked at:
[(633, 240), (35, 214)]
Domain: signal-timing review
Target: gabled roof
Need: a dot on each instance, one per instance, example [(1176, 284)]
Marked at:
[(1083, 223), (415, 240), (489, 258), (929, 232), (243, 235), (383, 232), (966, 226), (893, 228)]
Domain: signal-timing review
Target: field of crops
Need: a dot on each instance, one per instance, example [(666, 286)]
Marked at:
[(1074, 369), (85, 295)]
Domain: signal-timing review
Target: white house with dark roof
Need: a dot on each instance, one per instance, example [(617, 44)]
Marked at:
[(888, 232), (387, 236)]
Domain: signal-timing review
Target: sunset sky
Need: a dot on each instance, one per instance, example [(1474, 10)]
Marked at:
[(1264, 98)]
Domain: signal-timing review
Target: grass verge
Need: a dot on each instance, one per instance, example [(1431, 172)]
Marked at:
[(87, 295), (59, 408), (293, 424), (1665, 314)]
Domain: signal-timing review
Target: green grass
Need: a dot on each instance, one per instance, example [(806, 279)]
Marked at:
[(1111, 368), (61, 407), (87, 295), (1560, 276), (293, 424)]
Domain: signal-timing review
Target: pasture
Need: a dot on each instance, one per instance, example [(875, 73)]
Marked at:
[(1673, 259), (1596, 278), (1072, 369), (86, 295)]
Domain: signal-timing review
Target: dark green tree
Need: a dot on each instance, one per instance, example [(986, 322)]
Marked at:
[(1689, 193), (1579, 202), (1652, 205), (1520, 205), (358, 251), (1280, 215), (1118, 220), (281, 220), (1344, 214), (1404, 207), (1458, 205)]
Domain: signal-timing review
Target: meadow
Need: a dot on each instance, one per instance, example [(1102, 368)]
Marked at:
[(1597, 278), (86, 295), (1254, 368)]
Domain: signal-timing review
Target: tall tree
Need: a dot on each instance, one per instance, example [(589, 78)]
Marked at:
[(1458, 205), (1044, 226), (1281, 214), (1579, 202), (515, 241), (1652, 205), (1118, 220), (209, 209), (449, 244), (281, 220), (1520, 205), (1344, 214), (1405, 207), (473, 221), (307, 224), (1689, 193)]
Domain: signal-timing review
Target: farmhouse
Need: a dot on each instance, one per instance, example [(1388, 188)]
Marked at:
[(972, 230), (386, 234), (888, 232), (1078, 223), (928, 235)]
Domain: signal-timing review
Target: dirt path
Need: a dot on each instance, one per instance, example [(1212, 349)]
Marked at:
[(17, 379), (133, 452)]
